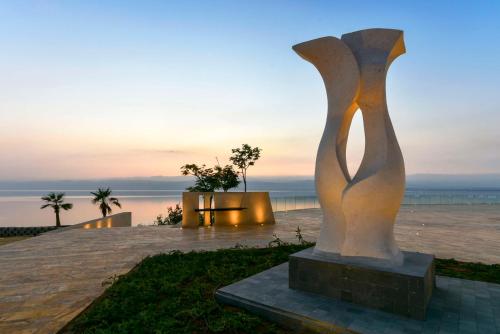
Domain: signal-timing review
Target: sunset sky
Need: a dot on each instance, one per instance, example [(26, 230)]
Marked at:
[(94, 89)]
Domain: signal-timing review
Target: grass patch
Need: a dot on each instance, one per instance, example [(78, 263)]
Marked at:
[(468, 270), (174, 293)]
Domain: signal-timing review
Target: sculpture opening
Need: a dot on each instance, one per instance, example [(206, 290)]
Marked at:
[(355, 144)]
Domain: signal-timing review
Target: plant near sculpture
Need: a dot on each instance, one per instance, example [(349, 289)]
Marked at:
[(56, 202), (277, 242), (298, 235), (159, 220), (174, 216), (211, 179), (206, 179), (243, 158), (227, 177), (103, 197), (110, 280)]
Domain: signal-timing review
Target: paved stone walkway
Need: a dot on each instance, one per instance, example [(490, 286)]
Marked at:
[(463, 232), (47, 280), (457, 307)]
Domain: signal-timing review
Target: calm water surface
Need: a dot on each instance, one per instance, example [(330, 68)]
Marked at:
[(22, 207), (25, 210)]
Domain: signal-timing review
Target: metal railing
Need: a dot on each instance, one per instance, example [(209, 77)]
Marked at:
[(412, 197), (294, 203)]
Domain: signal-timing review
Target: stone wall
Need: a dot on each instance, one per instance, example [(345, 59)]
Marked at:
[(122, 219)]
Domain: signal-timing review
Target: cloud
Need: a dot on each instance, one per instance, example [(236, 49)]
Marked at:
[(123, 153)]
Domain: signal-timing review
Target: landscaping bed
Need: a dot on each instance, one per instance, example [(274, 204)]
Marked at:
[(174, 293)]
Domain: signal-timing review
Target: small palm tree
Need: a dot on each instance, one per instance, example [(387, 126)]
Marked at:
[(56, 202), (102, 196)]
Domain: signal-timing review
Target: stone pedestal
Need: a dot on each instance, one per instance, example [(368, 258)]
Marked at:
[(404, 290)]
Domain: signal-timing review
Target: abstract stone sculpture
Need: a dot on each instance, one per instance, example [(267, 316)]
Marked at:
[(359, 212), (356, 259), (226, 209)]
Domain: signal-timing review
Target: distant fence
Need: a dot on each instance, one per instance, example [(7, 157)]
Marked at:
[(412, 197)]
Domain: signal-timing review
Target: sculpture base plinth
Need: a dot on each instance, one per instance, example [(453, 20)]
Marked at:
[(404, 290)]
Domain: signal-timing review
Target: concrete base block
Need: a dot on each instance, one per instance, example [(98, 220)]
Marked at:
[(457, 306), (404, 290)]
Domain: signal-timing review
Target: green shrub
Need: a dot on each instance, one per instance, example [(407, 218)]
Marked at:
[(174, 293), (468, 270), (174, 216)]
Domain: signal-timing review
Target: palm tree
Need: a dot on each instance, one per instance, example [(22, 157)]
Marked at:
[(56, 202), (102, 196)]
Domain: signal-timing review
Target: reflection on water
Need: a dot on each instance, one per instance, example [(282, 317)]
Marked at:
[(22, 208), (25, 211)]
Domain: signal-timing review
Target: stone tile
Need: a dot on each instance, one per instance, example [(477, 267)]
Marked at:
[(350, 316), (486, 329), (70, 266)]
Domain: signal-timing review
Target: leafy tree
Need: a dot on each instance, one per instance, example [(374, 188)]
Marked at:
[(227, 177), (56, 202), (206, 178), (211, 179), (243, 158), (103, 197)]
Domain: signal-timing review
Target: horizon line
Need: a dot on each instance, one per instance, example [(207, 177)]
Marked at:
[(250, 177)]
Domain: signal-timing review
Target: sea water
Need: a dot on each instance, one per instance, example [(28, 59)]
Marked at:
[(22, 207)]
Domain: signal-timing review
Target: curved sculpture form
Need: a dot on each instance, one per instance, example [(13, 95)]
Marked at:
[(339, 70), (359, 214)]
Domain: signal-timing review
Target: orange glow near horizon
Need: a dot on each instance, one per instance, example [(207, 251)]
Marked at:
[(113, 104)]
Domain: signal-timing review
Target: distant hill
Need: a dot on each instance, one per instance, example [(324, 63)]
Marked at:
[(153, 183), (298, 183), (457, 181), (178, 183)]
